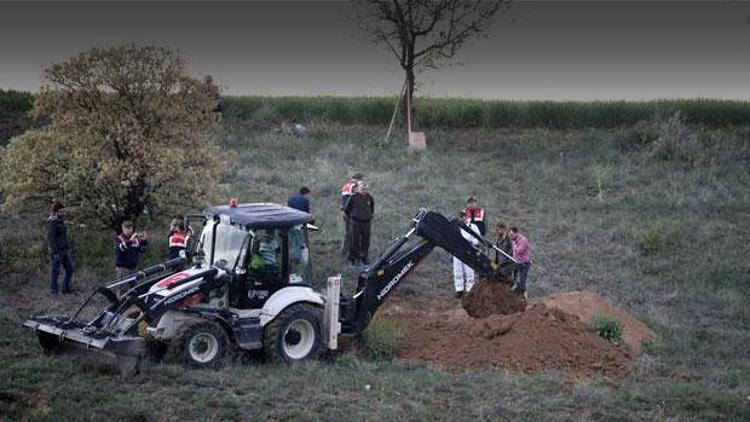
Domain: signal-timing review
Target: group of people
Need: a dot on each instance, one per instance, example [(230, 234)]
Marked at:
[(509, 240), (357, 209), (127, 248)]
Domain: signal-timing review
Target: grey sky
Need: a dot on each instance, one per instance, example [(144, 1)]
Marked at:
[(555, 50)]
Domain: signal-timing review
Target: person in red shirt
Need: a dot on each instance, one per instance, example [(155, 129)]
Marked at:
[(474, 214), (178, 238)]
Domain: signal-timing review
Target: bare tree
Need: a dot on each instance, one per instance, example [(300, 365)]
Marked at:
[(426, 33)]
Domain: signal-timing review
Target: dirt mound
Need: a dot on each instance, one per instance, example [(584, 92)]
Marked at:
[(440, 333), (489, 297), (586, 304)]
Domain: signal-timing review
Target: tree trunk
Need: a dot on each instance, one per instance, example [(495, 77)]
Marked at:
[(410, 83)]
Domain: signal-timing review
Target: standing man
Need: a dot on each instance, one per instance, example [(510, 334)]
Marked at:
[(503, 242), (463, 275), (301, 200), (522, 254), (57, 239), (128, 247), (178, 238), (347, 190), (360, 208), (474, 214)]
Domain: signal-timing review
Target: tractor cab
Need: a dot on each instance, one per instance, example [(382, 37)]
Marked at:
[(263, 247)]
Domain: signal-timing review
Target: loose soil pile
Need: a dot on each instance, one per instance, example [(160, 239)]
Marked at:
[(543, 338), (586, 304), (489, 297)]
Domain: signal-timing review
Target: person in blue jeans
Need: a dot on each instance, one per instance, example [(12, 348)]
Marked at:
[(57, 239)]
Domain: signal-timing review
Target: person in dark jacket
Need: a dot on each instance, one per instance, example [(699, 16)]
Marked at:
[(128, 247), (57, 239), (347, 190), (503, 242), (360, 208), (300, 201)]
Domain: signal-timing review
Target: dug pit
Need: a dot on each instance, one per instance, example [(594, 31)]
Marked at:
[(530, 338)]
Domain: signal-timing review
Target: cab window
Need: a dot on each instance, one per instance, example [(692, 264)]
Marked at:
[(299, 255)]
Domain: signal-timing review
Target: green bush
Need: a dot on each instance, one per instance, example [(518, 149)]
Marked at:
[(14, 103), (637, 136), (608, 328), (651, 241), (380, 339), (601, 178), (675, 141)]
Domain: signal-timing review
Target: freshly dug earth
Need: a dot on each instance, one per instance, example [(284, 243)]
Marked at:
[(489, 297), (439, 333), (586, 304)]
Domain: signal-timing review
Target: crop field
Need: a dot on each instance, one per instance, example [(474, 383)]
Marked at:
[(652, 214)]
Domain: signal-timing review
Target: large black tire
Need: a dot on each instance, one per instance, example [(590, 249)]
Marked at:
[(202, 344), (295, 335)]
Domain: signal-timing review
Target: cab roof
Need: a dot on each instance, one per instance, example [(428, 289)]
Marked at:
[(260, 215)]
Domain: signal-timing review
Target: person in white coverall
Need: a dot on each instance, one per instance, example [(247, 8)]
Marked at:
[(463, 275)]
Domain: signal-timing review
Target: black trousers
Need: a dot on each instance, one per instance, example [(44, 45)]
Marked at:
[(359, 239)]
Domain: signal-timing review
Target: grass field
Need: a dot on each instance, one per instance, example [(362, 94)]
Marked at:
[(655, 217)]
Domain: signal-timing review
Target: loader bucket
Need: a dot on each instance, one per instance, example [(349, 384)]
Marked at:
[(113, 331), (57, 335)]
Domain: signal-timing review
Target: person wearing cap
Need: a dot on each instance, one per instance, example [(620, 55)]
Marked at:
[(463, 275), (57, 239), (301, 200), (474, 214), (128, 247), (347, 190)]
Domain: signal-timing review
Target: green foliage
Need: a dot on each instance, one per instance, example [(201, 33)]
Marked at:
[(128, 135), (14, 108), (601, 178), (652, 240), (637, 136), (653, 346), (14, 103), (607, 328), (380, 339), (675, 140), (493, 114)]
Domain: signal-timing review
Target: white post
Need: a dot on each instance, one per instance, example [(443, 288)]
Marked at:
[(331, 325)]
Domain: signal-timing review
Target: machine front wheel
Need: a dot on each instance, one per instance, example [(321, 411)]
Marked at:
[(295, 335), (203, 344)]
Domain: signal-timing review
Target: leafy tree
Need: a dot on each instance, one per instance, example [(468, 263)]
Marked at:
[(426, 33), (127, 136)]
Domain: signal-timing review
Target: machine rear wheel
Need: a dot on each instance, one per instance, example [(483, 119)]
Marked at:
[(295, 335), (203, 344)]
